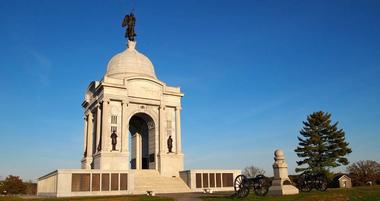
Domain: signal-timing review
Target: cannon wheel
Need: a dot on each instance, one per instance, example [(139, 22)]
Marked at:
[(241, 186), (261, 187), (303, 183), (321, 183)]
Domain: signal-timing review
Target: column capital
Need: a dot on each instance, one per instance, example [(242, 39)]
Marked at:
[(124, 102), (162, 107), (107, 100), (178, 108)]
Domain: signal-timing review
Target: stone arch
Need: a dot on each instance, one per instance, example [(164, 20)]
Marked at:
[(143, 144), (149, 112)]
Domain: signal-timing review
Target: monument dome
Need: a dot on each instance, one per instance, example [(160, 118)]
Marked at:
[(130, 63)]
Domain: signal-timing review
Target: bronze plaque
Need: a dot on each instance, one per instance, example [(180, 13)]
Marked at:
[(80, 182), (228, 179), (85, 182), (75, 182), (198, 180), (123, 181), (95, 182), (212, 180), (218, 180), (114, 181), (205, 180), (105, 182)]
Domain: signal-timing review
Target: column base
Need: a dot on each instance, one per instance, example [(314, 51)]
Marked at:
[(278, 188), (86, 163)]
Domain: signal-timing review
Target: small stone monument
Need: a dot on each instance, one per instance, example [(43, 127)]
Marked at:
[(281, 184)]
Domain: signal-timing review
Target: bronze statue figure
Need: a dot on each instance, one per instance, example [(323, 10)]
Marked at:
[(129, 20), (170, 144), (114, 140)]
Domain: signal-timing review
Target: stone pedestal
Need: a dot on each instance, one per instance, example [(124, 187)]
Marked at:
[(281, 185), (113, 160), (171, 164)]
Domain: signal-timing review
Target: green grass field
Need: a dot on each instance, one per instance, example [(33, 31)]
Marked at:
[(354, 194), (103, 198)]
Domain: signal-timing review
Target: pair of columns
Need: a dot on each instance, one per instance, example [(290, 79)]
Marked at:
[(89, 130)]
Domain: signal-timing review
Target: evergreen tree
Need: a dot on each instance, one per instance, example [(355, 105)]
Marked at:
[(321, 144)]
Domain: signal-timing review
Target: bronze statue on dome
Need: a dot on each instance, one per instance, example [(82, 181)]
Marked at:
[(129, 21)]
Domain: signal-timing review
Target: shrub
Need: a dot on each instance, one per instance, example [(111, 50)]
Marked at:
[(14, 185)]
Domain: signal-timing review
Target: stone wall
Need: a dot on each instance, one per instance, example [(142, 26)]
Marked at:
[(217, 180), (84, 182)]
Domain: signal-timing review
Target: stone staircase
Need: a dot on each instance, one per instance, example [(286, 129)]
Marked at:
[(151, 180)]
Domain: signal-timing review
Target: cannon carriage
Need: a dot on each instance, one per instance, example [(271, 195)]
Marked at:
[(309, 180), (259, 184)]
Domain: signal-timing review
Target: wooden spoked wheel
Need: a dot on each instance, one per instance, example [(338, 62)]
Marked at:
[(241, 186)]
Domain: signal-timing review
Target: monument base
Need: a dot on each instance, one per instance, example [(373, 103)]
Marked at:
[(171, 164), (283, 190), (111, 161)]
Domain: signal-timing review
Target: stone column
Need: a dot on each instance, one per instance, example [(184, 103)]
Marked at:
[(162, 130), (90, 132), (85, 133), (136, 150), (106, 130), (87, 160), (178, 129), (124, 127), (98, 126)]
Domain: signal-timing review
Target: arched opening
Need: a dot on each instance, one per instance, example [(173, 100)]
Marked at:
[(142, 142)]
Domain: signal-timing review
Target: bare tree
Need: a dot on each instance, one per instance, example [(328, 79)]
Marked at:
[(252, 171), (363, 172)]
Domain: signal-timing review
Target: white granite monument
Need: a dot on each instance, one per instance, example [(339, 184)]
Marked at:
[(129, 117), (281, 184), (132, 136)]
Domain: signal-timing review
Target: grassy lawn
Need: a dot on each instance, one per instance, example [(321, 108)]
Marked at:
[(104, 198), (354, 194)]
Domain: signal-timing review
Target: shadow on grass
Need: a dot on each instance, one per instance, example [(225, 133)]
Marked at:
[(353, 194)]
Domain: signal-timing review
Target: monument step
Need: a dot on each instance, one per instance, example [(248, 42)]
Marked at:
[(142, 173), (151, 180)]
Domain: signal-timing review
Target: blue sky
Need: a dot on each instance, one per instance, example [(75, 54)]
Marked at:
[(251, 72)]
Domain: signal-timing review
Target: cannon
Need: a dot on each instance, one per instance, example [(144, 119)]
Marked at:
[(259, 184), (309, 180)]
